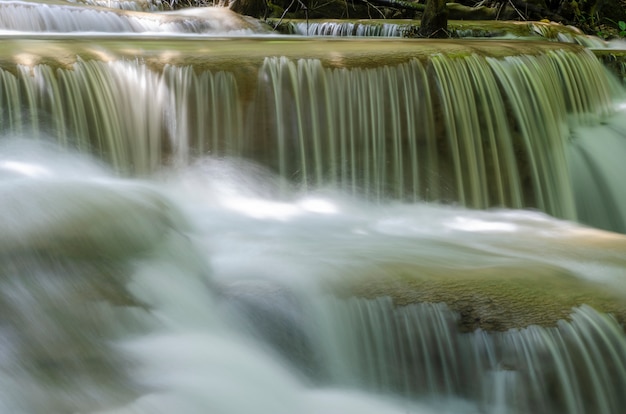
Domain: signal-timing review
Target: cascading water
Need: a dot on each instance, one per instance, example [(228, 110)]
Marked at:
[(137, 5), (461, 28), (54, 17), (506, 129), (195, 225)]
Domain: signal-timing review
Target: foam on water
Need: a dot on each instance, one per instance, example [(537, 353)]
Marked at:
[(174, 248)]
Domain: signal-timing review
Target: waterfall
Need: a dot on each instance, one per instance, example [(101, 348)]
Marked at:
[(595, 166), (340, 28), (480, 131), (32, 16), (417, 349), (461, 29), (196, 221), (137, 5)]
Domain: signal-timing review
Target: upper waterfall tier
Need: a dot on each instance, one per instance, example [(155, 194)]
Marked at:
[(56, 17), (138, 5), (482, 124), (458, 29)]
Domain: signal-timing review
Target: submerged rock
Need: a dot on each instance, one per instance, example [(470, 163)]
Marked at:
[(82, 219), (517, 293), (498, 299)]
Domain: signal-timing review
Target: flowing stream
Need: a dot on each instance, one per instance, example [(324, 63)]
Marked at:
[(199, 216)]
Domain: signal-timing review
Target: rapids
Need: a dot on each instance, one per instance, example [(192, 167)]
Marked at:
[(216, 296)]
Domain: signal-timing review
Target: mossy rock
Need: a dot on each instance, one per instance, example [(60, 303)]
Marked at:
[(614, 60), (497, 299), (511, 295)]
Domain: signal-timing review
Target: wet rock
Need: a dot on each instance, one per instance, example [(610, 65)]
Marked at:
[(515, 295)]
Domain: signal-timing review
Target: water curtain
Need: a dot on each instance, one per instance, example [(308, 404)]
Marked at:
[(475, 130)]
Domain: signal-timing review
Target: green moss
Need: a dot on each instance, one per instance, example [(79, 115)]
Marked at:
[(511, 293), (614, 60), (495, 299)]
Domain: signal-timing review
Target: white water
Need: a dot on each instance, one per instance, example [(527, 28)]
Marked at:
[(35, 16), (192, 359), (138, 5), (183, 243), (462, 29)]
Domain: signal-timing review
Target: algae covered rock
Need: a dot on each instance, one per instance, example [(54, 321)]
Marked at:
[(540, 287)]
